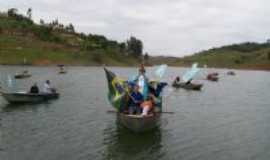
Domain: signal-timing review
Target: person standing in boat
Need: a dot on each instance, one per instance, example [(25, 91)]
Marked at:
[(47, 87), (136, 98), (142, 82), (34, 89)]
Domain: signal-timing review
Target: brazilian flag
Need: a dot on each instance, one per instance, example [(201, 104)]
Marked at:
[(117, 89)]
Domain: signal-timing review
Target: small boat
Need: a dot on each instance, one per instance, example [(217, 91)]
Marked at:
[(190, 86), (139, 123), (231, 73), (214, 74), (24, 74), (62, 69), (62, 72), (25, 97), (212, 77), (135, 123)]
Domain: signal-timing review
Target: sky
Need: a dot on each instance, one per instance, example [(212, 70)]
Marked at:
[(166, 27)]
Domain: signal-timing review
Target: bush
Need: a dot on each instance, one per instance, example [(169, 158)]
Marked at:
[(237, 61), (97, 57)]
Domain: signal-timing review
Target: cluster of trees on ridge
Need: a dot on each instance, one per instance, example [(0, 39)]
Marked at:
[(53, 31)]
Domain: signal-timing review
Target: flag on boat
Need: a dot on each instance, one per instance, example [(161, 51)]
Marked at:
[(190, 74), (160, 71), (116, 89)]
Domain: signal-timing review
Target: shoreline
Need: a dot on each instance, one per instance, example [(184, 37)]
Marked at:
[(127, 66)]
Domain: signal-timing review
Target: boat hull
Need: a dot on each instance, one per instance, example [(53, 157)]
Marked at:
[(28, 97), (62, 72), (188, 86), (139, 123), (214, 79), (231, 73), (21, 76)]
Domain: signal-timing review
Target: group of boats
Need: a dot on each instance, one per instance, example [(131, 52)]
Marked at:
[(117, 88), (22, 97), (26, 74), (198, 86), (137, 122)]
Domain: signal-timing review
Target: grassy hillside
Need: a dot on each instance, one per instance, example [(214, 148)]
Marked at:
[(245, 55), (54, 43)]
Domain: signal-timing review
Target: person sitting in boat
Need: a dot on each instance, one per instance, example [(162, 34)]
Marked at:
[(34, 89), (125, 101), (156, 88), (189, 81), (176, 81), (148, 105), (47, 87), (136, 98)]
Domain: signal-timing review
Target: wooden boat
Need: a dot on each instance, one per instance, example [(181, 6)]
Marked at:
[(190, 86), (62, 72), (214, 74), (212, 78), (139, 123), (62, 69), (231, 73), (25, 97), (135, 123), (22, 75)]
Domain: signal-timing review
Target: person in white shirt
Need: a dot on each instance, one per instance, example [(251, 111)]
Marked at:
[(47, 87)]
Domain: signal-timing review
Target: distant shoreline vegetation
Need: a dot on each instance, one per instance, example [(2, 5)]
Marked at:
[(53, 43), (24, 42)]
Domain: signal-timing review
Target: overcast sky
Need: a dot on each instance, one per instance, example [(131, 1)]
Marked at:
[(166, 27)]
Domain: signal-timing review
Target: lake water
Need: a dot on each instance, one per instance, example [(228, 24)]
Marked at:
[(229, 119)]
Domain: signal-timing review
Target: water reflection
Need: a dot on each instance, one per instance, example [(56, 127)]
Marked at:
[(123, 144)]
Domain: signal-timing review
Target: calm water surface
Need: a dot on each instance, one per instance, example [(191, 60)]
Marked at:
[(226, 120)]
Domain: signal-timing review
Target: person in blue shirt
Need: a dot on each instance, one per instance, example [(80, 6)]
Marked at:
[(136, 98)]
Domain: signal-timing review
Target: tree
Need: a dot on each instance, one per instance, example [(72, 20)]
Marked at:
[(70, 28), (146, 56), (29, 13), (135, 47), (41, 22), (268, 55), (122, 46), (12, 12)]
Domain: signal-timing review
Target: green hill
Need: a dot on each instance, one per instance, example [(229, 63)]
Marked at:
[(24, 41), (245, 55), (55, 43)]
